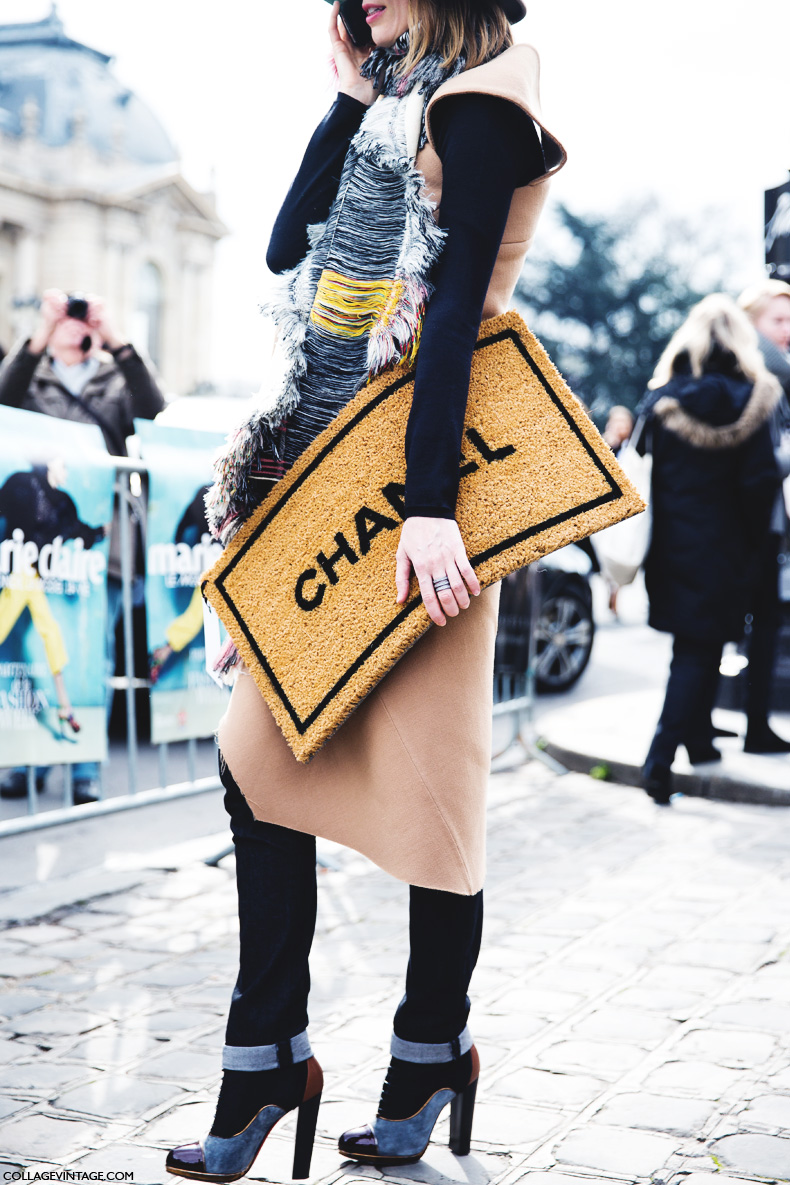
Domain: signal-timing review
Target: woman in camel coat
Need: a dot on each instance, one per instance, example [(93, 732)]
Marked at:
[(441, 236)]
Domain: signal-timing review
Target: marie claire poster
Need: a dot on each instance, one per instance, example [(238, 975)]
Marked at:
[(56, 500), (184, 701)]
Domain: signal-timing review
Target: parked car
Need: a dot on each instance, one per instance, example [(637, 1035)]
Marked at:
[(557, 590)]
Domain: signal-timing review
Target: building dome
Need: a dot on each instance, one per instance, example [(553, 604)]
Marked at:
[(58, 89)]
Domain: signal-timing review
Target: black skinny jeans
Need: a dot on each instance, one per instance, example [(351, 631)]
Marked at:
[(689, 700), (276, 879), (761, 646)]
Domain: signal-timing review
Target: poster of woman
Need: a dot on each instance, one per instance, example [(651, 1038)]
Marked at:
[(185, 702), (56, 496)]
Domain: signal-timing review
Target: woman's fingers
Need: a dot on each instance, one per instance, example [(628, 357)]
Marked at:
[(402, 574), (430, 598), (467, 572)]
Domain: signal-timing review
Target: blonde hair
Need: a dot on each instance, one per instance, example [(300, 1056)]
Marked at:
[(716, 320), (755, 299), (454, 28)]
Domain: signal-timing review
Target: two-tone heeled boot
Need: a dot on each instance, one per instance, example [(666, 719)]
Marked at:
[(414, 1096), (229, 1157)]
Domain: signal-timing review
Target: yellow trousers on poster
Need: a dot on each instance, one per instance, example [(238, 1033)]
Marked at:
[(184, 628), (27, 592)]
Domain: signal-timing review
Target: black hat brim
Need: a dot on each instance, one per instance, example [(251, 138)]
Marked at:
[(515, 10)]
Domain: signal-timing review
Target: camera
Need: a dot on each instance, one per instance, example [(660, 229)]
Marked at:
[(77, 307)]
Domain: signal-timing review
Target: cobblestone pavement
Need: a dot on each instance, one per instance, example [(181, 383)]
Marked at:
[(632, 1003)]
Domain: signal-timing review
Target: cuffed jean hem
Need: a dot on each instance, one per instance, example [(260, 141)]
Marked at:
[(267, 1057), (424, 1054)]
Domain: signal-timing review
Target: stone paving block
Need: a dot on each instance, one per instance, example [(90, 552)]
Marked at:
[(727, 1047), (167, 975), (697, 1078), (660, 1113), (584, 980), (765, 1156), (594, 1057), (174, 1021), (46, 1137), (338, 1055), (714, 1177), (187, 1122), (117, 1001), (513, 1027), (16, 1003), (668, 1001), (707, 981), (440, 1167), (730, 956), (535, 1002), (25, 966), (625, 1024), (615, 1150), (57, 1022), (41, 1076), (147, 1164), (548, 1089), (40, 935), (767, 1110), (117, 960), (511, 1126), (115, 1097), (183, 1065), (77, 947), (752, 1014), (117, 1047), (11, 1107)]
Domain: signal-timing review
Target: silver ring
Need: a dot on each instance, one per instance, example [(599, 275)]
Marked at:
[(442, 584)]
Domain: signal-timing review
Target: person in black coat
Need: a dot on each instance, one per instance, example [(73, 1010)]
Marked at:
[(767, 305), (714, 483)]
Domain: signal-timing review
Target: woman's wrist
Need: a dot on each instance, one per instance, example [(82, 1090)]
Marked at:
[(363, 93)]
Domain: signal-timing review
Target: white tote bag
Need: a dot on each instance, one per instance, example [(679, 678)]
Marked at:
[(621, 549)]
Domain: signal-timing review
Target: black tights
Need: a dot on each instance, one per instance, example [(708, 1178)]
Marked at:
[(275, 873)]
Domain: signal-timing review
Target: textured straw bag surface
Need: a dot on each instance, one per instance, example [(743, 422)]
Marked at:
[(306, 588)]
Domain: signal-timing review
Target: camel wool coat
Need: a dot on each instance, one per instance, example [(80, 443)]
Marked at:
[(404, 780)]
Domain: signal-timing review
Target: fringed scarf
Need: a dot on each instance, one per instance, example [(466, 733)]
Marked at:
[(354, 306)]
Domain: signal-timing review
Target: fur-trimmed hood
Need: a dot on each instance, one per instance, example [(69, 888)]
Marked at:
[(669, 409)]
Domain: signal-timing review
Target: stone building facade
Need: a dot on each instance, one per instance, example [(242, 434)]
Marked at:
[(92, 200)]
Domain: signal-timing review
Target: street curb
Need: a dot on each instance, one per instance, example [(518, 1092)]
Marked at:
[(696, 785)]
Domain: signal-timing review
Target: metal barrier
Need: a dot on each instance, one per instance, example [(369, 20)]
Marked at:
[(513, 697)]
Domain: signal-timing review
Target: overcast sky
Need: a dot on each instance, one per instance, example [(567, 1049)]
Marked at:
[(686, 100)]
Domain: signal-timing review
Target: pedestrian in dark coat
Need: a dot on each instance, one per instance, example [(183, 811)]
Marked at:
[(767, 305), (714, 482)]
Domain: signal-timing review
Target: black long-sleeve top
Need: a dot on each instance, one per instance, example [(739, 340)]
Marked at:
[(488, 147)]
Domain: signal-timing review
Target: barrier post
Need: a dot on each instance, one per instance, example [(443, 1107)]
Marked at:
[(127, 576)]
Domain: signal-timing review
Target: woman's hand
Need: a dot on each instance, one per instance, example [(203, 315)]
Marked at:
[(53, 310), (349, 61), (434, 548), (99, 320)]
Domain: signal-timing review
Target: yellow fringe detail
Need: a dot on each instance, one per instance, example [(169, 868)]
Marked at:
[(352, 308)]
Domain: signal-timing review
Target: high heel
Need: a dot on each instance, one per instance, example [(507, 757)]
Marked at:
[(220, 1159), (393, 1141), (462, 1112)]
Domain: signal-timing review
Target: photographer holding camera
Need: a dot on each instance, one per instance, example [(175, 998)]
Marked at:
[(75, 367)]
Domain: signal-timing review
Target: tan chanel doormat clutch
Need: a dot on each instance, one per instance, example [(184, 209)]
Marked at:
[(306, 588)]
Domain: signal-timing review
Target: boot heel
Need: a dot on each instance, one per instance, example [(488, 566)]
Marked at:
[(462, 1110), (306, 1121)]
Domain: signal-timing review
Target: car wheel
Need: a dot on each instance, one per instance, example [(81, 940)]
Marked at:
[(563, 641)]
